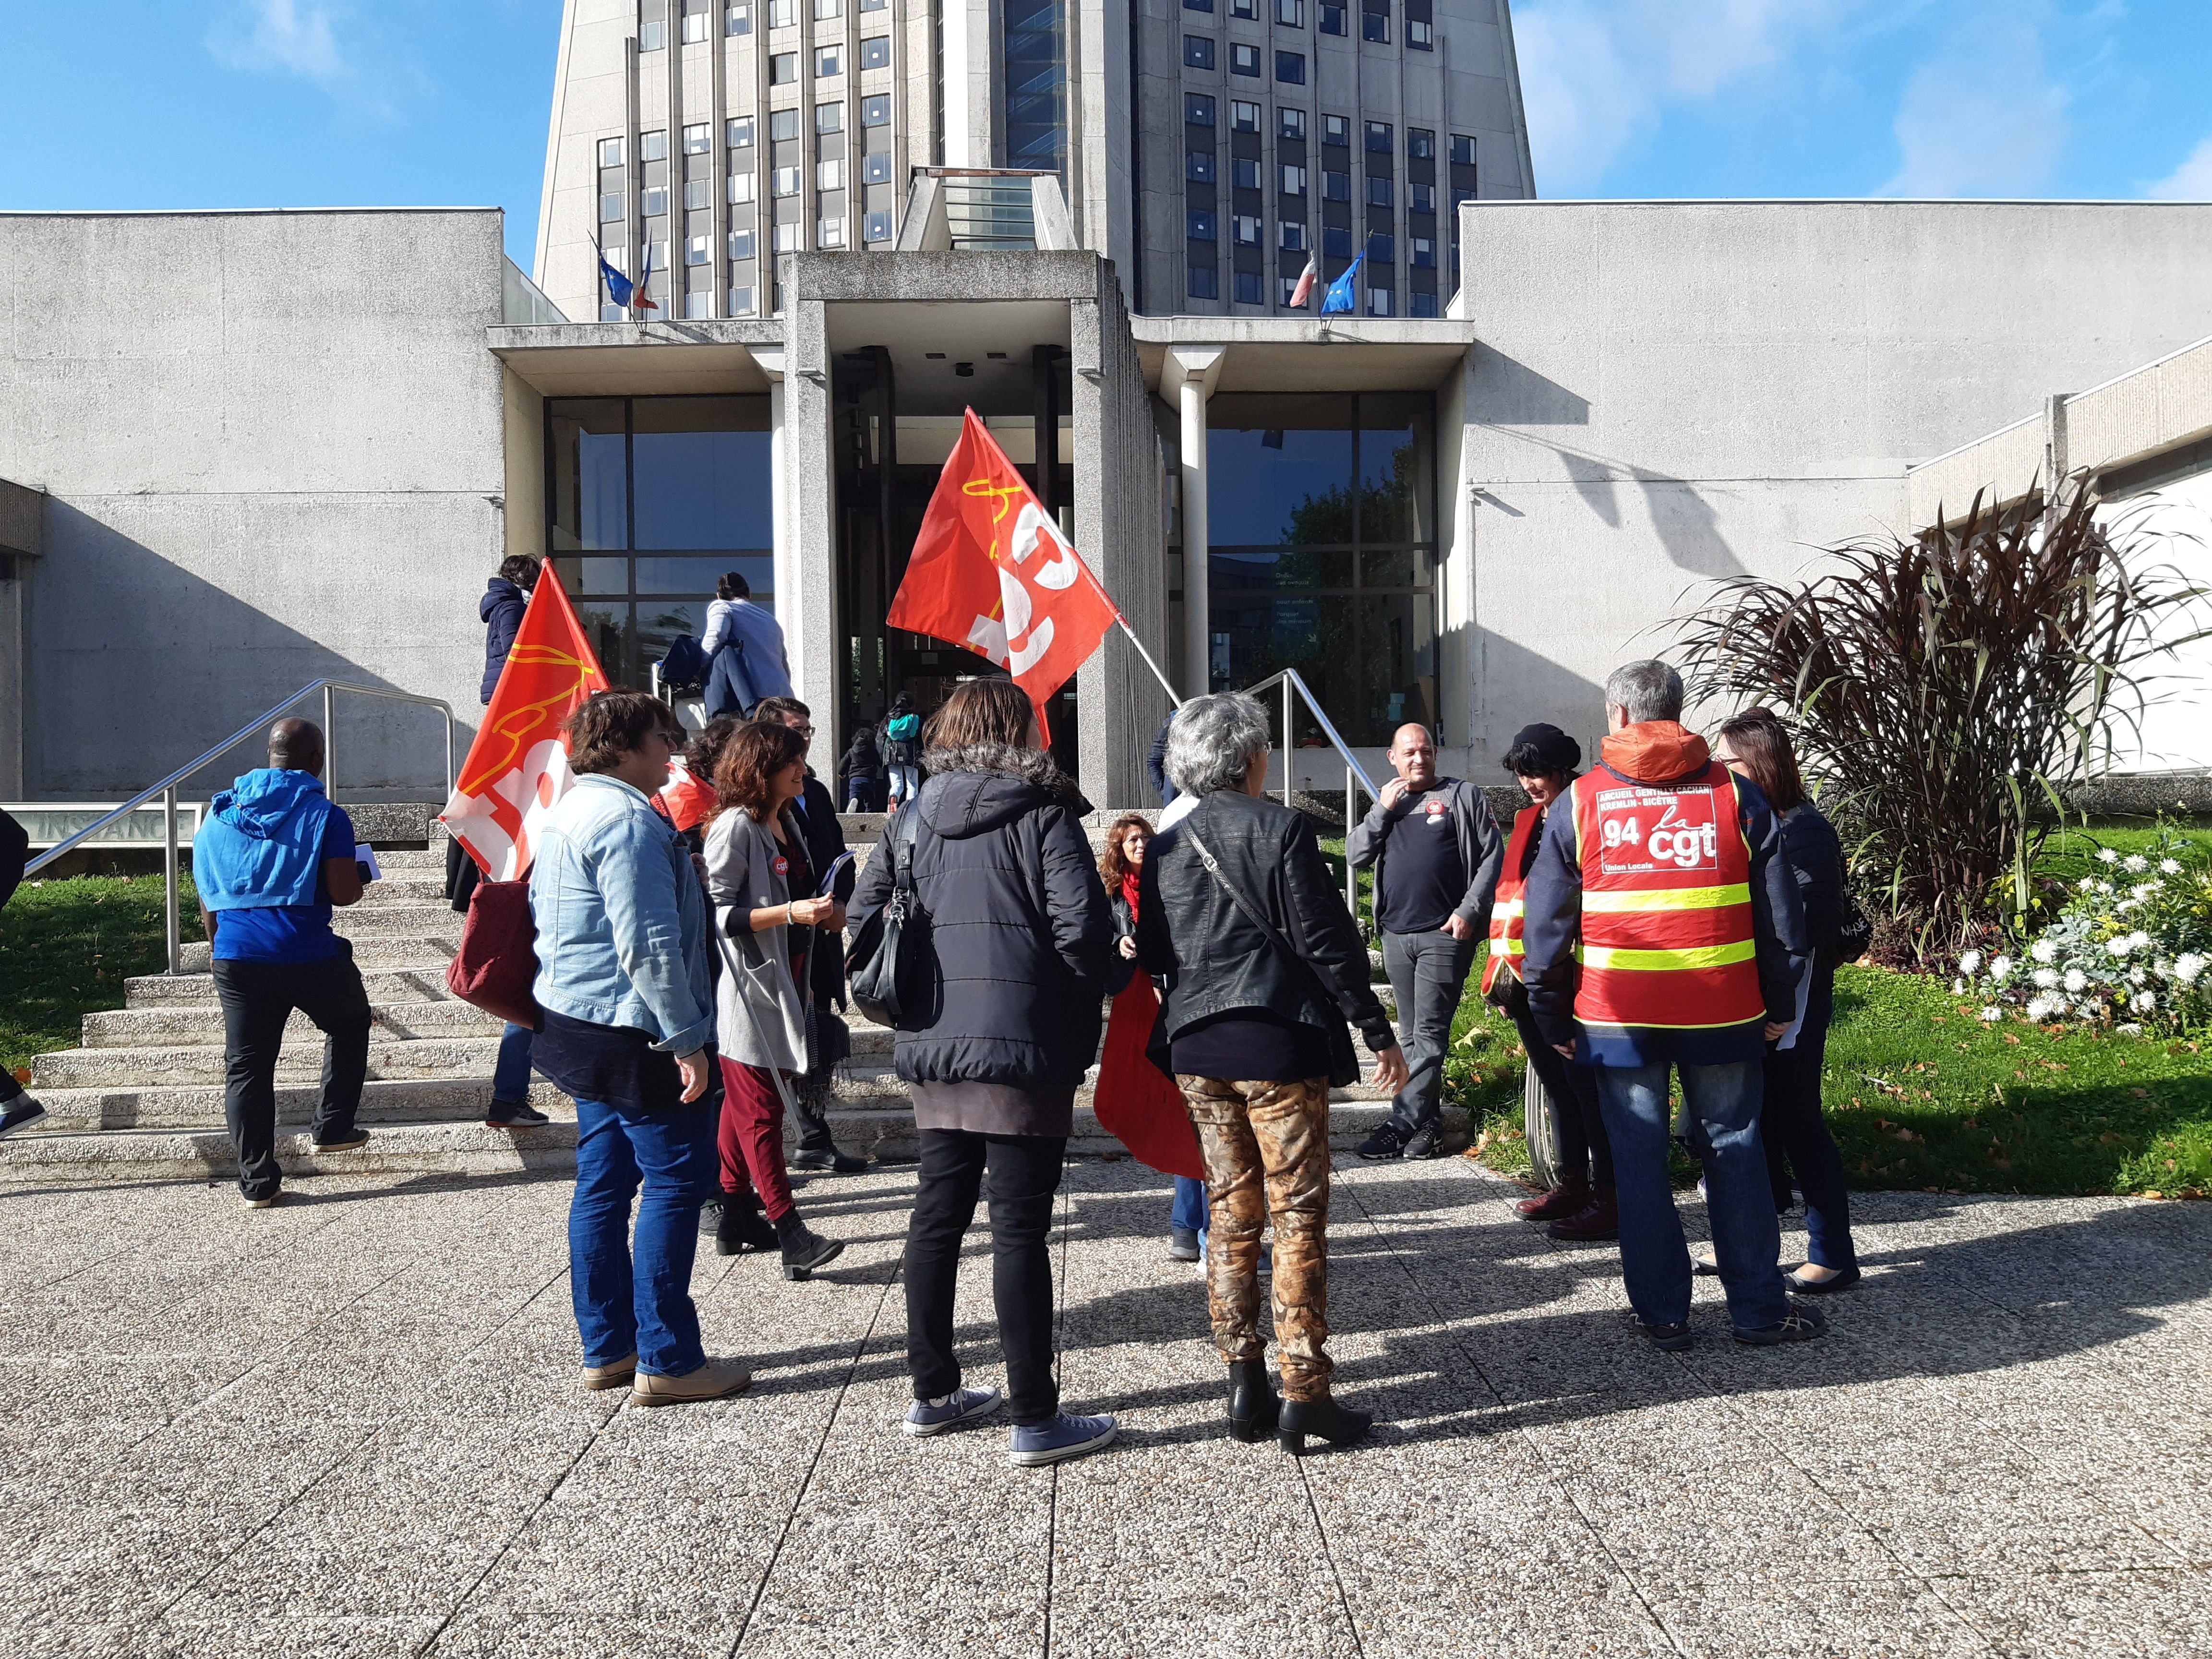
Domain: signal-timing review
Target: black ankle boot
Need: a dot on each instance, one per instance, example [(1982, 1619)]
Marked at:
[(804, 1250), (1253, 1407), (1338, 1425), (742, 1227)]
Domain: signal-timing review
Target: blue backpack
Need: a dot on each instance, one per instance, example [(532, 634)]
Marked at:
[(684, 662)]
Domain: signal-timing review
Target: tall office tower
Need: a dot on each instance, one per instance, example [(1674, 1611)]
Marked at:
[(713, 135), (1265, 131)]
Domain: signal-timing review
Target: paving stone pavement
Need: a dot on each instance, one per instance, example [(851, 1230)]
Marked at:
[(351, 1425)]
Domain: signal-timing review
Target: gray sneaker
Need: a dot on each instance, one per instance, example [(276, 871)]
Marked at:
[(1065, 1437), (935, 1416)]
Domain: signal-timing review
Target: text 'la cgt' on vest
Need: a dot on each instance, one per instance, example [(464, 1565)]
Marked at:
[(1507, 909), (1668, 939)]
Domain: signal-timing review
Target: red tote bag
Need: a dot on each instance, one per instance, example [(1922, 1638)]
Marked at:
[(496, 965), (1136, 1104)]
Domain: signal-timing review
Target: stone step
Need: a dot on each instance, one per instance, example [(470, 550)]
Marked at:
[(301, 1060), (201, 1025), (382, 954), (467, 1148), (200, 1107), (407, 921), (406, 887), (412, 861), (194, 990)]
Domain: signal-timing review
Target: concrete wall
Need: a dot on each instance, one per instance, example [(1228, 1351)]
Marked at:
[(272, 445), (1670, 393)]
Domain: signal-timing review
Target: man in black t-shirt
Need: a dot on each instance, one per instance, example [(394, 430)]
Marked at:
[(1436, 852)]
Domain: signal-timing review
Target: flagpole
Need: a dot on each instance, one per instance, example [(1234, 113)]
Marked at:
[(1174, 701)]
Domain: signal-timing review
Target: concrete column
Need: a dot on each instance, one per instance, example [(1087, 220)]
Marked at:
[(1190, 373), (808, 580), (770, 361)]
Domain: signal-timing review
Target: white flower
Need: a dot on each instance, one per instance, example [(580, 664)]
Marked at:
[(2126, 905), (1991, 1016), (2138, 976), (2001, 970), (2047, 978), (2187, 966), (2076, 982), (2044, 949), (2143, 1001), (2122, 945), (2104, 887), (2134, 864), (2088, 884), (1957, 987), (2138, 940), (2041, 1008), (1970, 963), (2129, 1029), (2169, 866), (2107, 855), (2143, 890)]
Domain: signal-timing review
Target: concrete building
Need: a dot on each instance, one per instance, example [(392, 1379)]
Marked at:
[(1208, 148), (1466, 520)]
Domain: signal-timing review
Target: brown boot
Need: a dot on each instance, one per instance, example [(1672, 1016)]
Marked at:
[(1598, 1219), (714, 1380), (1569, 1198)]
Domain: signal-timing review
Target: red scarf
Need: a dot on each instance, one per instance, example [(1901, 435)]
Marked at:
[(1129, 893)]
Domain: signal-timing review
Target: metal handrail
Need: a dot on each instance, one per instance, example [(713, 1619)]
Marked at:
[(1289, 679), (167, 788)]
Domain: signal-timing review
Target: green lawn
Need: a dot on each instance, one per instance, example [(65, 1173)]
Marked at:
[(65, 949)]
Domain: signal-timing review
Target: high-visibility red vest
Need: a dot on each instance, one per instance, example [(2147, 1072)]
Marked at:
[(1667, 933), (1505, 909)]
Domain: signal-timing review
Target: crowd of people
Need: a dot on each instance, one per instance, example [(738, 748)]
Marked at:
[(1671, 914)]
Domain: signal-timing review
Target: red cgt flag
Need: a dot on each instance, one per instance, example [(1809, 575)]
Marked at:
[(518, 767), (991, 571)]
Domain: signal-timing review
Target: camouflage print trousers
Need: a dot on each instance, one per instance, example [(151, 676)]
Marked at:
[(1278, 1133)]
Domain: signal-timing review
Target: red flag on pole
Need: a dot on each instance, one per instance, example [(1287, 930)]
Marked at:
[(1137, 1104), (518, 767), (991, 571)]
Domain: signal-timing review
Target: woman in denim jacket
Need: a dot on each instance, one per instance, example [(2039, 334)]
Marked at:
[(630, 1010)]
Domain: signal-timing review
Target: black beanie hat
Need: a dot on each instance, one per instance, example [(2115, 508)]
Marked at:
[(1552, 749)]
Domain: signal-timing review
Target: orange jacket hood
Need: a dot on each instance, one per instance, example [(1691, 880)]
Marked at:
[(1655, 751)]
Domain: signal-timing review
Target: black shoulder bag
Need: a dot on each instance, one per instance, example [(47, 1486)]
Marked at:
[(872, 966)]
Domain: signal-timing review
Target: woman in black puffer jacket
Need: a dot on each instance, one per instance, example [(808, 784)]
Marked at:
[(1002, 970)]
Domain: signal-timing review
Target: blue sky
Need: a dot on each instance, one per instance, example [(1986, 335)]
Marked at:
[(302, 103)]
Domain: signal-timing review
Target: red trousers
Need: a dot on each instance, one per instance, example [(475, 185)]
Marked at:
[(750, 1138)]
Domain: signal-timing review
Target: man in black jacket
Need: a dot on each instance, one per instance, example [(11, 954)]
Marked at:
[(827, 1039)]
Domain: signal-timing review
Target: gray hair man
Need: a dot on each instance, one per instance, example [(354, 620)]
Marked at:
[(1436, 852)]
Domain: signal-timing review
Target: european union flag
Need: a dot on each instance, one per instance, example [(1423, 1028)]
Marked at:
[(619, 287), (1339, 297)]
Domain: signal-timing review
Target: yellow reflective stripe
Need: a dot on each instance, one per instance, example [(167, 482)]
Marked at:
[(1506, 947), (1700, 956), (1665, 898)]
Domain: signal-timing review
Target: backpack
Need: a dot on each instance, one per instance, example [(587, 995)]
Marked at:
[(684, 664), (901, 737)]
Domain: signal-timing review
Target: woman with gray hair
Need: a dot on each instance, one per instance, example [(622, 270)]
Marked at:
[(1263, 966)]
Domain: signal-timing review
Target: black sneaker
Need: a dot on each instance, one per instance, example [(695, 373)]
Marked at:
[(1801, 1324), (1667, 1339), (830, 1159), (339, 1141), (1182, 1244), (1427, 1141), (1389, 1140), (515, 1114), (21, 1114)]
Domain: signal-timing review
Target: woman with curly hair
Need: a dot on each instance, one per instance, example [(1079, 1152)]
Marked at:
[(763, 888)]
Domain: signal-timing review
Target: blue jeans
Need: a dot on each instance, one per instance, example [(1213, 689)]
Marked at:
[(1189, 1211), (510, 1077), (1722, 1105), (641, 1304)]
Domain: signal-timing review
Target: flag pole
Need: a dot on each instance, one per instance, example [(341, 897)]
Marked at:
[(1174, 701)]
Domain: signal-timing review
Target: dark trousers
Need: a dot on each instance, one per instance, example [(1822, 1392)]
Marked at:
[(257, 997), (1427, 973), (1797, 1140), (1024, 1174), (1571, 1092)]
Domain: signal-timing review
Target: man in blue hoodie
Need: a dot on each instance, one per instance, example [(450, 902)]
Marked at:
[(272, 857)]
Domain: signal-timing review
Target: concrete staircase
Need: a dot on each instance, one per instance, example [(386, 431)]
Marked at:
[(142, 1098)]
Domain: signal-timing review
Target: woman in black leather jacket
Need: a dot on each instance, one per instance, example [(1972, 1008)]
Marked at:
[(1262, 967)]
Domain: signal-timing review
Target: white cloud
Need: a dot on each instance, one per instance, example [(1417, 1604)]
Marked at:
[(2190, 182), (290, 37), (1596, 75), (1981, 116)]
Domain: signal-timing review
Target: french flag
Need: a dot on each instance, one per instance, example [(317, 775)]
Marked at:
[(1307, 277)]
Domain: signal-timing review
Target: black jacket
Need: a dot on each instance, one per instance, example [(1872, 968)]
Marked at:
[(501, 609), (825, 841), (1010, 938), (1214, 959), (15, 854), (1815, 857)]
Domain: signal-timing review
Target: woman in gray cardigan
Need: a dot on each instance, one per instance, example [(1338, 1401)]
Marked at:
[(763, 889)]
